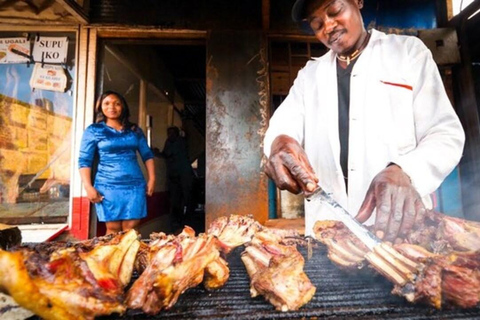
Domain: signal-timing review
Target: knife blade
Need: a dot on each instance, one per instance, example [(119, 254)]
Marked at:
[(358, 229)]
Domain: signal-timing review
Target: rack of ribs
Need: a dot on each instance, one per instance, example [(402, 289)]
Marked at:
[(438, 263)]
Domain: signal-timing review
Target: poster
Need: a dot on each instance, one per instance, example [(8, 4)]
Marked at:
[(48, 77), (50, 49), (14, 50)]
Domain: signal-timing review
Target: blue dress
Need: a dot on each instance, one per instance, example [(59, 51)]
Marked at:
[(119, 177)]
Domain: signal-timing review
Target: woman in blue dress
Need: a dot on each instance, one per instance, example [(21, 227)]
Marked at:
[(119, 188)]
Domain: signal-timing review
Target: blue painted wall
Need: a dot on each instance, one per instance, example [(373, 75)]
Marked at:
[(394, 16), (401, 14)]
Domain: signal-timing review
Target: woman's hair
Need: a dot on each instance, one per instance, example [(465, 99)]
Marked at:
[(100, 116)]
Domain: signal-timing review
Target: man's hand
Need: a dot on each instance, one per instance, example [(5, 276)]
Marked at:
[(399, 206), (289, 167)]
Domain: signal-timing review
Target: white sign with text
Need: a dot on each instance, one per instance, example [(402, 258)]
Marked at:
[(50, 49), (14, 50), (48, 77)]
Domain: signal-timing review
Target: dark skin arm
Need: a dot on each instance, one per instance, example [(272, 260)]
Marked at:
[(399, 206), (289, 168)]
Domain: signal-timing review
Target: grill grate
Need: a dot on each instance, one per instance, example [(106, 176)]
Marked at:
[(339, 295)]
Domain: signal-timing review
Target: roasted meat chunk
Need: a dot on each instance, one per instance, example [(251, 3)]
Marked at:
[(79, 281), (216, 274), (442, 280), (276, 272), (234, 231), (438, 263), (174, 264)]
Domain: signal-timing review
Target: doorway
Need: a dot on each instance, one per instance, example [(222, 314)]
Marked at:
[(163, 82)]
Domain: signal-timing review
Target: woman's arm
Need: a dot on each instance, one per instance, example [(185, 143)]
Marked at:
[(147, 157), (92, 194), (149, 164), (88, 148)]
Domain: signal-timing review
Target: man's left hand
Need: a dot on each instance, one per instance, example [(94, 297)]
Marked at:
[(399, 206)]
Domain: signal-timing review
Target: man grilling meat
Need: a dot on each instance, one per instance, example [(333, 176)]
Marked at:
[(369, 121)]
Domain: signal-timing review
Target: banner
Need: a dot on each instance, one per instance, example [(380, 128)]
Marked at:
[(14, 50), (50, 49), (48, 77)]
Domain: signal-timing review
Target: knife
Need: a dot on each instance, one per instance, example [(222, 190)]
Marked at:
[(358, 229)]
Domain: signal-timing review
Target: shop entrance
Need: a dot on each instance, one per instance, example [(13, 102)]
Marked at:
[(163, 82)]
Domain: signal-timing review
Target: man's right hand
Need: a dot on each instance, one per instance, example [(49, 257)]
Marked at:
[(288, 166)]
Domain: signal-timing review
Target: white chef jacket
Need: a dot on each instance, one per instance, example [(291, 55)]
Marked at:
[(399, 112)]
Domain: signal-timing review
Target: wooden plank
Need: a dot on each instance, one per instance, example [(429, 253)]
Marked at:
[(295, 224), (444, 12), (79, 125), (75, 10), (91, 77), (37, 28), (150, 32), (266, 15), (142, 105)]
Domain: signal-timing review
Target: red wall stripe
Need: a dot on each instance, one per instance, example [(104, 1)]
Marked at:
[(80, 218)]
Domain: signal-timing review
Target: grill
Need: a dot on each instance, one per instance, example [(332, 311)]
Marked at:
[(339, 295)]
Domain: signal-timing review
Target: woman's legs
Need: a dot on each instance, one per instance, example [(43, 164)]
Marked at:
[(130, 224), (123, 225), (113, 226)]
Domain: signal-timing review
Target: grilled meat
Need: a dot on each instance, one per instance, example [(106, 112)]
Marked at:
[(438, 234), (276, 272), (216, 274), (234, 231), (344, 248), (77, 282), (175, 264), (438, 263), (441, 234), (451, 280)]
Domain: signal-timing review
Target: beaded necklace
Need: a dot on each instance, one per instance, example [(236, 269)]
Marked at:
[(356, 53)]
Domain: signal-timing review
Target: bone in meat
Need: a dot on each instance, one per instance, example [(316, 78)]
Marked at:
[(443, 280), (439, 261), (276, 272), (235, 230), (176, 264), (77, 282)]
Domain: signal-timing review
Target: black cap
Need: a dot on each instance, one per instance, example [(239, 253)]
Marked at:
[(298, 10)]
